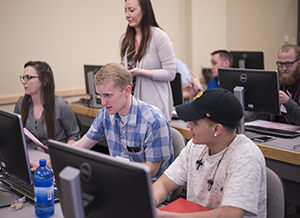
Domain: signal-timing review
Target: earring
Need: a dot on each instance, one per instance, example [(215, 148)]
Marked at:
[(215, 134)]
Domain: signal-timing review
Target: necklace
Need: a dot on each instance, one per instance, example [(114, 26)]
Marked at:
[(199, 163)]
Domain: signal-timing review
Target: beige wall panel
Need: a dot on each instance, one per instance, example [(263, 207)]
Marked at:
[(261, 25)]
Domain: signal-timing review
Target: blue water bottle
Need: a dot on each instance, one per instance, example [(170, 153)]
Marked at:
[(43, 190)]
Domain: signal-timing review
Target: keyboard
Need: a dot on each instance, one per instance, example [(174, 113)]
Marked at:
[(273, 132), (22, 188)]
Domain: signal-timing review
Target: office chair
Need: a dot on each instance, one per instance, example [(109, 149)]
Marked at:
[(178, 142), (275, 195)]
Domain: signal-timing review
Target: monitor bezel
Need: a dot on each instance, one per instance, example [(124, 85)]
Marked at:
[(255, 59), (228, 78), (112, 174)]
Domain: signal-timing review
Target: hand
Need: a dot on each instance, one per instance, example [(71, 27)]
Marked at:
[(195, 81), (33, 165), (283, 97), (190, 89), (141, 72), (134, 72)]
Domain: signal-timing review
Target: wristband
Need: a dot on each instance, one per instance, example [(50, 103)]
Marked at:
[(200, 89)]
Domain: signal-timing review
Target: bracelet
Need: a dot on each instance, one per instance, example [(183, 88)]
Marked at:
[(200, 89)]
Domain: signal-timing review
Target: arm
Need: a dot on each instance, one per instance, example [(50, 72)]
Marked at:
[(154, 167), (164, 185), (85, 142), (158, 146), (141, 72), (293, 109), (161, 188), (159, 58)]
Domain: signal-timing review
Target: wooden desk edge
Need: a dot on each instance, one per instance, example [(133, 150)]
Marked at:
[(78, 109), (270, 152), (184, 132), (280, 154)]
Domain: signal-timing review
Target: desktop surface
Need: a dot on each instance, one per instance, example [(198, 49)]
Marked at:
[(87, 102), (27, 210)]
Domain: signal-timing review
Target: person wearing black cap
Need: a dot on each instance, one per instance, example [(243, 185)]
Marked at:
[(222, 170)]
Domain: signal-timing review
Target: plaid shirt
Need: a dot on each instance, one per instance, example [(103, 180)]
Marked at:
[(146, 136)]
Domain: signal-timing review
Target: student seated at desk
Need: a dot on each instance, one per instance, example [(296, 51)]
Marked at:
[(219, 59), (288, 67), (133, 129), (222, 170), (45, 115)]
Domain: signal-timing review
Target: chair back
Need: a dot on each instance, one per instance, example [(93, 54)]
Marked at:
[(275, 195), (178, 142)]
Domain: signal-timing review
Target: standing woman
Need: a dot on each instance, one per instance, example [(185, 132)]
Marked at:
[(147, 52), (45, 115)]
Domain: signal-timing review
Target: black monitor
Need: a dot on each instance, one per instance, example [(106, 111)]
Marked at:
[(260, 88), (176, 87), (106, 186), (248, 59), (89, 72), (14, 158)]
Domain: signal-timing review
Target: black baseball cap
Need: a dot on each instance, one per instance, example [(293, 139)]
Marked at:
[(218, 105)]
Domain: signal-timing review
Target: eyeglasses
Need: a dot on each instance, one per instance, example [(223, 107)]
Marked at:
[(287, 64), (27, 77)]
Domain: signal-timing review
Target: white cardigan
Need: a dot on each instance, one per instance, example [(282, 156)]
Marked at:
[(160, 58)]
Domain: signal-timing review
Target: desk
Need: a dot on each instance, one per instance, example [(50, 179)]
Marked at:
[(28, 208), (279, 154)]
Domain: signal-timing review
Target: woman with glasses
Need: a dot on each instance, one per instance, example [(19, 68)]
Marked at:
[(147, 52), (45, 115)]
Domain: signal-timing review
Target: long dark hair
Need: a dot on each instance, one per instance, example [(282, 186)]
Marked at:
[(148, 21), (45, 75)]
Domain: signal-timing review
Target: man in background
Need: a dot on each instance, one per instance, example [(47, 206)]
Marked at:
[(186, 76), (289, 79), (219, 59)]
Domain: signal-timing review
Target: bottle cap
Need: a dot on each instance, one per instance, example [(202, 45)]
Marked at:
[(43, 162)]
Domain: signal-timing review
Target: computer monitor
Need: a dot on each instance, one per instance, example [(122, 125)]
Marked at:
[(89, 72), (114, 187), (248, 59), (258, 90), (176, 87), (14, 158)]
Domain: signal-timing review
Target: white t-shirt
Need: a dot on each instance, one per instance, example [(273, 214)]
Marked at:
[(240, 180)]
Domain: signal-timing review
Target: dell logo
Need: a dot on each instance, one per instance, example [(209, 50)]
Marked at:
[(243, 78), (86, 171)]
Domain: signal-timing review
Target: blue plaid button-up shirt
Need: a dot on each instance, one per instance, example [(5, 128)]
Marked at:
[(146, 135)]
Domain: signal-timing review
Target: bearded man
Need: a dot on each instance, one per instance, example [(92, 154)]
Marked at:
[(289, 79)]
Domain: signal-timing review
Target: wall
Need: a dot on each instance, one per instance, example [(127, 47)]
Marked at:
[(261, 25), (68, 34)]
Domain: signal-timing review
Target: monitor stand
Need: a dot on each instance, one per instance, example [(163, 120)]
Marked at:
[(74, 203), (238, 92), (242, 63)]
